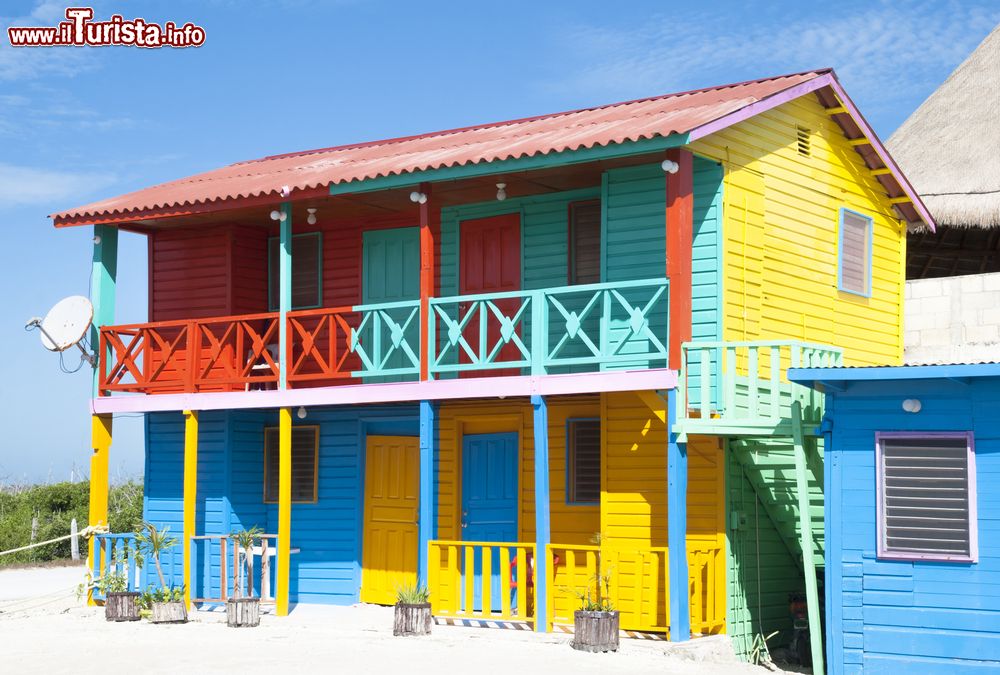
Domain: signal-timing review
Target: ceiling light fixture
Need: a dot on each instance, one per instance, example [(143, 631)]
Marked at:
[(501, 191), (311, 218)]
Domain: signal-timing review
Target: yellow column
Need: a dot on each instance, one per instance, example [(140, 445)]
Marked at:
[(190, 494), (284, 509), (100, 441)]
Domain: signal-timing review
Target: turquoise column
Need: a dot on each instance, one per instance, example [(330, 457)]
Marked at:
[(677, 479), (284, 291), (542, 528), (103, 280), (428, 518)]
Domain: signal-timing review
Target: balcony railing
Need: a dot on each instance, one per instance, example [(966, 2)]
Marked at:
[(741, 388), (622, 325)]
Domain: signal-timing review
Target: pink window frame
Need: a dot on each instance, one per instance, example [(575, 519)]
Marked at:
[(881, 552)]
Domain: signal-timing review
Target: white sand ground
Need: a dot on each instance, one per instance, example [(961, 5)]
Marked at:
[(45, 629)]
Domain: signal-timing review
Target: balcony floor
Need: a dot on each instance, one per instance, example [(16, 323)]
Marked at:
[(432, 390)]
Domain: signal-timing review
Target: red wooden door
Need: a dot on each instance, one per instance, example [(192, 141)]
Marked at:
[(490, 262)]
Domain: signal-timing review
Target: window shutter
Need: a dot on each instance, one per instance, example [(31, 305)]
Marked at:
[(925, 497), (585, 242), (306, 274), (584, 455), (855, 249), (304, 459)]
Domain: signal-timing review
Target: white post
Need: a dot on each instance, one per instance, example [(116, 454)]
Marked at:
[(74, 542)]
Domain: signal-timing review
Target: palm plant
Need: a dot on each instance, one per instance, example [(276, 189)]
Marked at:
[(153, 542), (244, 547)]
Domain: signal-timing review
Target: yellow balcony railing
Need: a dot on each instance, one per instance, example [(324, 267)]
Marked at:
[(481, 580), (637, 584)]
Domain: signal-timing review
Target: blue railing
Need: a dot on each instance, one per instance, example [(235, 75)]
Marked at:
[(115, 554), (565, 329)]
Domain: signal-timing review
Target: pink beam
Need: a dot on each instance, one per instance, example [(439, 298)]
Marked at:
[(807, 87), (431, 390)]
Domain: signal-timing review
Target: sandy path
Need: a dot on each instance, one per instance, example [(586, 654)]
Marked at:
[(62, 636)]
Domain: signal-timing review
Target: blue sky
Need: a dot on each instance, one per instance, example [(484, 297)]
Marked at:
[(79, 124)]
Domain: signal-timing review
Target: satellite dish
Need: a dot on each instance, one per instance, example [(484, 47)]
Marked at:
[(65, 325)]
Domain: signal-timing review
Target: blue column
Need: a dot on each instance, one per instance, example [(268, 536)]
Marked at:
[(428, 518), (542, 533), (677, 479)]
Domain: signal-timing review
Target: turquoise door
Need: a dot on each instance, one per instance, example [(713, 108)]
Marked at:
[(489, 502), (391, 273)]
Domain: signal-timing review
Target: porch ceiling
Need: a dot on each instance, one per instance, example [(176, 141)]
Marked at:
[(433, 390)]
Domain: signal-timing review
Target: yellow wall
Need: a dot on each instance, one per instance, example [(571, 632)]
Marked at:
[(570, 524), (781, 213)]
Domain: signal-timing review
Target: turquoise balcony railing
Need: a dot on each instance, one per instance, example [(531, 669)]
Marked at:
[(741, 388), (617, 325)]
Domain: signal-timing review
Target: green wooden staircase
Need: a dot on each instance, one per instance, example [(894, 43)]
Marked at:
[(739, 391)]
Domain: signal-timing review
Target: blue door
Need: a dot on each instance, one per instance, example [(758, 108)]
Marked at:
[(489, 501)]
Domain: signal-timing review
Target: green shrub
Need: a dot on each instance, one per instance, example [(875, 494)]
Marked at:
[(56, 505)]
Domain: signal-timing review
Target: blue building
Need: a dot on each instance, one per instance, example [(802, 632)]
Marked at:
[(912, 483)]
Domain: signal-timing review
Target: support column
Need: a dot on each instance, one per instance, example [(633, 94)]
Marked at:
[(429, 219), (282, 572), (103, 280), (680, 232), (806, 535), (284, 290), (542, 530), (100, 441), (677, 479), (428, 517), (190, 495)]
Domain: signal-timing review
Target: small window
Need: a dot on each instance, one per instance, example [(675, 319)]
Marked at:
[(305, 458), (583, 458), (926, 500), (307, 271), (855, 253), (585, 242)]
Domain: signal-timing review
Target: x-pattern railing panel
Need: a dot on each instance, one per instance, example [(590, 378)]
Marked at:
[(481, 332)]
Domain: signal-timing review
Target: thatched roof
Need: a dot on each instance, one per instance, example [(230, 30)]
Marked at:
[(950, 147)]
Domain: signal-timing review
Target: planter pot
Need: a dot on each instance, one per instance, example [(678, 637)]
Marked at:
[(412, 619), (122, 606), (595, 631), (243, 612), (169, 612)]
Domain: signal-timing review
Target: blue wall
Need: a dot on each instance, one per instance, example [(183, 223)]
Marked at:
[(231, 489), (900, 617)]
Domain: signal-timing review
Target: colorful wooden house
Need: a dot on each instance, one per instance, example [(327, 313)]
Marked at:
[(457, 357), (913, 524)]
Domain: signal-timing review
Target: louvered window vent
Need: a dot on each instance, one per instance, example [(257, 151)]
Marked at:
[(926, 498), (802, 136)]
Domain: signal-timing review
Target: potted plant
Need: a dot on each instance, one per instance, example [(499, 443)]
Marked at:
[(166, 602), (243, 610), (412, 611), (120, 604), (595, 624)]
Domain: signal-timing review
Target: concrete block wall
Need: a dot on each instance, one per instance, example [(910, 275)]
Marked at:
[(952, 319)]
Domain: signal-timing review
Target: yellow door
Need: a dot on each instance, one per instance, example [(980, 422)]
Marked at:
[(392, 495)]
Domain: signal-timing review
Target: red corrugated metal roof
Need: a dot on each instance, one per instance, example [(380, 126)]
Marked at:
[(620, 122)]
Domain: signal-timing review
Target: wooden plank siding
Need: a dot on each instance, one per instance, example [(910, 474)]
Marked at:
[(781, 236), (898, 615), (231, 490)]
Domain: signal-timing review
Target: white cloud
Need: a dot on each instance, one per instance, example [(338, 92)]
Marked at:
[(883, 52), (21, 185), (26, 63)]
